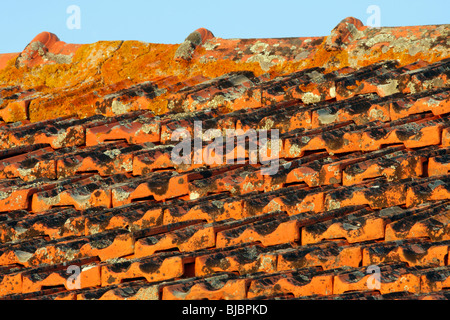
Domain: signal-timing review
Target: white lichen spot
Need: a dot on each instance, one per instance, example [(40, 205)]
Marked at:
[(295, 150), (248, 186), (120, 194), (28, 173), (412, 87), (259, 47), (268, 124), (267, 263), (333, 92), (310, 206), (333, 204), (147, 293), (216, 102), (309, 98), (4, 195), (382, 37), (210, 45), (194, 195), (149, 128), (59, 141), (53, 201), (302, 55), (274, 206), (127, 166), (112, 153)]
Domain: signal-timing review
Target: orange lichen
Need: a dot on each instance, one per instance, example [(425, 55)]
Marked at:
[(15, 111)]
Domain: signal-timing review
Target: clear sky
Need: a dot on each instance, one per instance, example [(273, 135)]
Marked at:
[(170, 21)]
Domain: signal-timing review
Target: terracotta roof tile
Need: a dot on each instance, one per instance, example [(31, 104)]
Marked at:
[(88, 178)]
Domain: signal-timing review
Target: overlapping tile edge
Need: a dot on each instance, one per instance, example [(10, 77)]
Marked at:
[(88, 185)]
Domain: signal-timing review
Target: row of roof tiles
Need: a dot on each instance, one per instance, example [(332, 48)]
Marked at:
[(240, 90), (265, 279), (403, 168), (78, 236)]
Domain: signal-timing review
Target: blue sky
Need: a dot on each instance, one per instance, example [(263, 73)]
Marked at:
[(170, 21)]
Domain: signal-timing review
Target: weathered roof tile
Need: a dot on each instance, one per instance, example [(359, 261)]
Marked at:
[(88, 177)]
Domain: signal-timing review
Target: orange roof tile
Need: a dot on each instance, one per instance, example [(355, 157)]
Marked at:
[(89, 180)]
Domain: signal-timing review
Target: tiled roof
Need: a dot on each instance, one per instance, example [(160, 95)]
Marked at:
[(88, 177)]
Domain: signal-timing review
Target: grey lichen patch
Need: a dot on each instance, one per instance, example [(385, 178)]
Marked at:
[(195, 38), (148, 293), (119, 108), (267, 124), (413, 50), (375, 113), (4, 195), (390, 88), (266, 61), (344, 33), (434, 83), (60, 139), (52, 201), (23, 256), (120, 195), (210, 45), (433, 185), (112, 153), (206, 59), (127, 166), (58, 58), (305, 139), (101, 244), (248, 186), (82, 199), (42, 51), (295, 150), (412, 87), (216, 282), (185, 51), (379, 38), (116, 260), (259, 47), (351, 226), (216, 102), (326, 117), (302, 55), (218, 204), (148, 128), (264, 56), (316, 77), (102, 51)]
